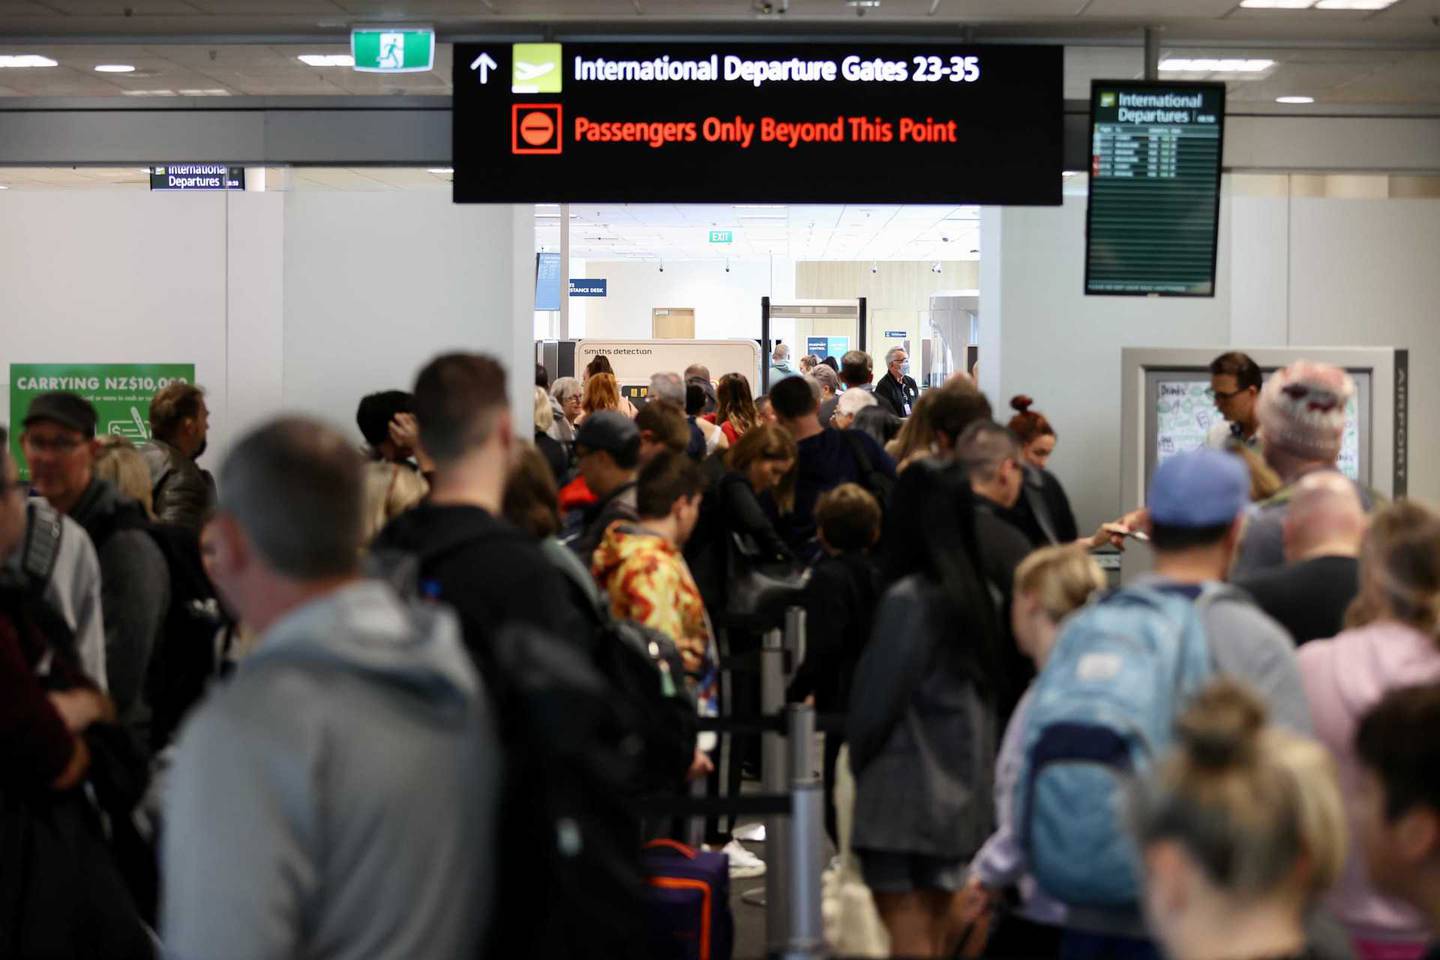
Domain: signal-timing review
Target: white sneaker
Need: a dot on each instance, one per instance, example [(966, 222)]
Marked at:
[(754, 832), (743, 863)]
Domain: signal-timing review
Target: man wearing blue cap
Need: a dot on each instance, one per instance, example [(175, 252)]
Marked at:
[(1195, 516), (1109, 654)]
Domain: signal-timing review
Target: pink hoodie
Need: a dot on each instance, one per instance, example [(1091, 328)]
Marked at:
[(1344, 678)]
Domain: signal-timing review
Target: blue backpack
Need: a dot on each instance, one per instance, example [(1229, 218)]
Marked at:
[(1102, 713)]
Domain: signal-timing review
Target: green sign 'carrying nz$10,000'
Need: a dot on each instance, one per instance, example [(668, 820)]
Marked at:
[(120, 392)]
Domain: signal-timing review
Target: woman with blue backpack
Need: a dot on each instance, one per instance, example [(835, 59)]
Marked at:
[(921, 726), (1049, 585)]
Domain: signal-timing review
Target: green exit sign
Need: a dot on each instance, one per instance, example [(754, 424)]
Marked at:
[(722, 236), (393, 49)]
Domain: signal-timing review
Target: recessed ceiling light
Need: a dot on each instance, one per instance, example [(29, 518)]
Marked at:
[(3, 187), (26, 60), (441, 171), (148, 93), (327, 59), (1278, 4), (1294, 99), (1229, 66), (1353, 4), (114, 68), (207, 92)]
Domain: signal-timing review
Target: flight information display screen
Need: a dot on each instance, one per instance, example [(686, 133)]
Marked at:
[(737, 122), (1154, 187)]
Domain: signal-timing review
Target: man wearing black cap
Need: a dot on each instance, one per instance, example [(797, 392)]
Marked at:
[(608, 452), (60, 448)]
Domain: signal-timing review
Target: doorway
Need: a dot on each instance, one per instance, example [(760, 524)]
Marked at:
[(672, 323)]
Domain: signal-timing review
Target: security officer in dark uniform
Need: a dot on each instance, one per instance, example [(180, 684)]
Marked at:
[(896, 390)]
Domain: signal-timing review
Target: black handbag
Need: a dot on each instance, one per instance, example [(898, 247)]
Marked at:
[(61, 896), (757, 587)]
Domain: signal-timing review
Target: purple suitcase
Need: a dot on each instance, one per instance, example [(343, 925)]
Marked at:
[(687, 903)]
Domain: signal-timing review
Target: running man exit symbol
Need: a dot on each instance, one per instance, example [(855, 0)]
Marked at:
[(392, 51)]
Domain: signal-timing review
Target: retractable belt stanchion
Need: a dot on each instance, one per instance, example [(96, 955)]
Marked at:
[(778, 775), (806, 855), (775, 779)]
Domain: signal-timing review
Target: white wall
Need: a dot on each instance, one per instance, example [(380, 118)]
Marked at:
[(298, 301), (377, 283), (1341, 272), (115, 277), (726, 304), (1290, 272), (1042, 336)]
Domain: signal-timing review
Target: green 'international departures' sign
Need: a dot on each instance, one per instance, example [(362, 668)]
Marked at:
[(121, 393)]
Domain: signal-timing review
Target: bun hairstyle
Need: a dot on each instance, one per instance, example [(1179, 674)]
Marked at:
[(1256, 807), (1027, 426), (1221, 730)]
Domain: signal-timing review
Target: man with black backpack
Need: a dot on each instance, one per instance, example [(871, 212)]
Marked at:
[(568, 850), (1124, 668), (60, 448), (827, 458)]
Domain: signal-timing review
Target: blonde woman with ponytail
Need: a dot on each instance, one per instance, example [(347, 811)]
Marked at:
[(1050, 584), (1391, 642), (1241, 831)]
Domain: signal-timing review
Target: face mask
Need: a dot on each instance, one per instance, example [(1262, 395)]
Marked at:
[(905, 369)]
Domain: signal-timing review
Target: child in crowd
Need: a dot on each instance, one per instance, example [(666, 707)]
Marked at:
[(1399, 800), (1050, 584), (1241, 831), (1392, 642), (839, 606)]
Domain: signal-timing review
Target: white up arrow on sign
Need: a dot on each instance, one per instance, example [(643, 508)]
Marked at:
[(484, 63)]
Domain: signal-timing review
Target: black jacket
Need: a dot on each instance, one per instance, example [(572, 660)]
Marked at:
[(491, 573), (1043, 511), (183, 494), (922, 735), (898, 398), (1309, 598), (728, 507), (840, 601), (134, 593), (1002, 548)]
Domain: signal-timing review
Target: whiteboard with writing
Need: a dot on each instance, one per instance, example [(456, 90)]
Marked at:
[(1185, 414)]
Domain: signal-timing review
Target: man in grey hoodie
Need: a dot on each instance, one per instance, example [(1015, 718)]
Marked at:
[(336, 798)]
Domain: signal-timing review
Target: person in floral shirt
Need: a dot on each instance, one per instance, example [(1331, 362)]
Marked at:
[(640, 566)]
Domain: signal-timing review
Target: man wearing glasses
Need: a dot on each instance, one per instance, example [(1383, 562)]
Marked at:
[(60, 448), (1235, 382)]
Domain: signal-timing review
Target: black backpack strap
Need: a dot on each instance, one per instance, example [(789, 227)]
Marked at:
[(41, 550)]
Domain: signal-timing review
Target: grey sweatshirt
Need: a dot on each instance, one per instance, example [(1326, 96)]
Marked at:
[(336, 798)]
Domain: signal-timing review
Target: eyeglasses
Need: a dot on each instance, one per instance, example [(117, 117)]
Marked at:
[(56, 445), (1214, 394)]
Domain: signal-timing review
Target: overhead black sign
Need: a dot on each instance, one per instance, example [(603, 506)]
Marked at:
[(1154, 187), (196, 176), (738, 122)]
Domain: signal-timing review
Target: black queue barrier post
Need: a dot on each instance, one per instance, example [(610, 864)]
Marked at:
[(806, 854)]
